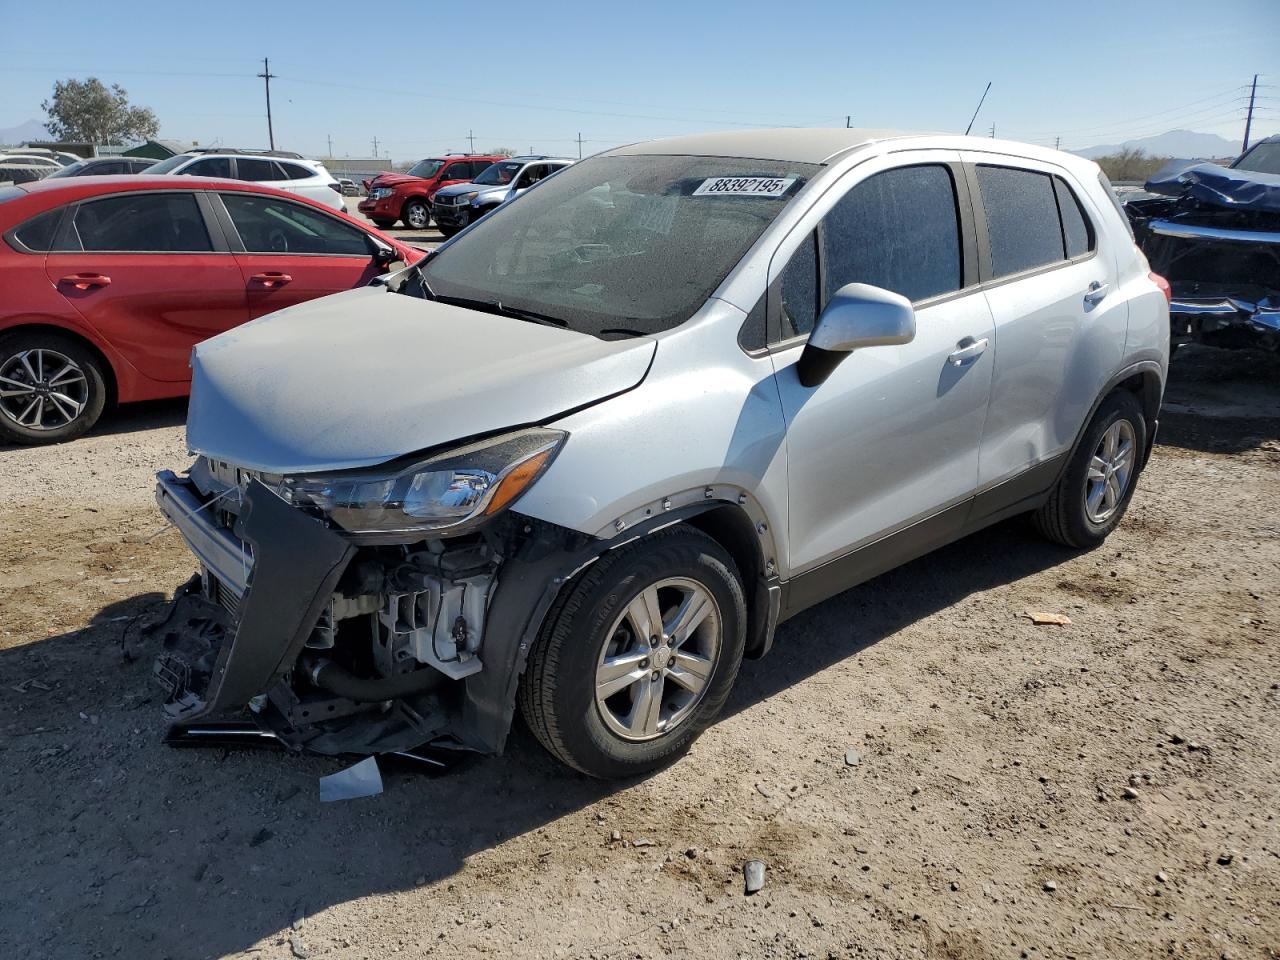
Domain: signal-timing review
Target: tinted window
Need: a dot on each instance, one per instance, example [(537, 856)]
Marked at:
[(499, 173), (269, 225), (898, 230), (37, 233), (1075, 227), (1264, 158), (168, 222), (104, 169), (798, 290), (251, 168), (1022, 219), (296, 171), (137, 166), (457, 171), (210, 167)]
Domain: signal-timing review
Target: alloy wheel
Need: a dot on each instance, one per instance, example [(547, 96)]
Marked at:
[(416, 215), (42, 389), (658, 658), (1110, 471)]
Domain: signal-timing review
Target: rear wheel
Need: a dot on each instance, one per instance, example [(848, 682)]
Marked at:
[(1094, 491), (52, 388), (415, 215), (640, 656)]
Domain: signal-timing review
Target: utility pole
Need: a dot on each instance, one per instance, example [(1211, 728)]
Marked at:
[(848, 121), (471, 138), (266, 76), (375, 148), (1248, 122), (579, 145), (1057, 143), (329, 137), (993, 130)]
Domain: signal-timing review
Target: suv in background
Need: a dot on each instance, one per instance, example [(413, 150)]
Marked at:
[(407, 196), (455, 207), (677, 394), (276, 168)]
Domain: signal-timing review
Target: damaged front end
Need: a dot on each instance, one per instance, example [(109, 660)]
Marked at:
[(363, 612), (1215, 236)]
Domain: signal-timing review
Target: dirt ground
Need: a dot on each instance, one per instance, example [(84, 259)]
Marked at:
[(1105, 789)]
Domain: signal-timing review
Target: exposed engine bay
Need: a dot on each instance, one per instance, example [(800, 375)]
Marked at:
[(1215, 236), (339, 647)]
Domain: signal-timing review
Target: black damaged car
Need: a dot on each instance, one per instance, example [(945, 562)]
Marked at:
[(1214, 233)]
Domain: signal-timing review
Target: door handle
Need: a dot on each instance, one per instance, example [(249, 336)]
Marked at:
[(271, 279), (86, 281), (1097, 291), (967, 349)]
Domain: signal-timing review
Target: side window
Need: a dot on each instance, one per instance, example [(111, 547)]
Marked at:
[(1115, 201), (296, 171), (168, 222), (251, 168), (210, 167), (137, 166), (899, 230), (531, 175), (798, 290), (457, 171), (1022, 219), (108, 169), (1075, 224), (271, 225), (37, 233)]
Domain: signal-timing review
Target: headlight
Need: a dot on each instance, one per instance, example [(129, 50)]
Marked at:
[(468, 197), (378, 193), (450, 493)]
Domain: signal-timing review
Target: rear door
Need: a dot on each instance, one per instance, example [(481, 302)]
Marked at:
[(1050, 280), (891, 438), (146, 271), (290, 252)]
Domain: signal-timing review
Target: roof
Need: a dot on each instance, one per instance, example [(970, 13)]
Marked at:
[(788, 144), (77, 188)]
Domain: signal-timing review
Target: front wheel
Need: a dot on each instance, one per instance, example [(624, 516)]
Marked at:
[(1094, 491), (448, 231), (384, 224), (51, 388), (415, 215), (640, 656)]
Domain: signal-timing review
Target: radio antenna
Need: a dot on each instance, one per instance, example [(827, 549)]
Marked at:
[(977, 108)]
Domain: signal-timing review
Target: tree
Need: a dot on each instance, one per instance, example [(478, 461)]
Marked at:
[(1131, 163), (86, 110), (502, 152)]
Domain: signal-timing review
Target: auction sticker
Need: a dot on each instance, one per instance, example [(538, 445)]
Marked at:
[(744, 187)]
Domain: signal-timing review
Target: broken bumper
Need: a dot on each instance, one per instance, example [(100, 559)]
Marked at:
[(278, 580)]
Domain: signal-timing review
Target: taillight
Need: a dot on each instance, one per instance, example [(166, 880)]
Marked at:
[(1163, 284)]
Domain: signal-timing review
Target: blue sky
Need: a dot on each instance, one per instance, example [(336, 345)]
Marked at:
[(419, 79)]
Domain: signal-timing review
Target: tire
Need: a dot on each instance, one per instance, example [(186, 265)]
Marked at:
[(72, 398), (593, 620), (416, 210), (384, 224), (1068, 517), (447, 231)]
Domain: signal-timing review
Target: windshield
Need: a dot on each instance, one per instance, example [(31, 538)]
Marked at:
[(619, 244), (498, 174), (1264, 158), (164, 166), (70, 170), (426, 169)]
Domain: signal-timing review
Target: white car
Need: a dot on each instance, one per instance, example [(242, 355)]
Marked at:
[(284, 171), (588, 454)]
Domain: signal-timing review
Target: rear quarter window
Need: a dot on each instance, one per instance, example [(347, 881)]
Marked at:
[(36, 235)]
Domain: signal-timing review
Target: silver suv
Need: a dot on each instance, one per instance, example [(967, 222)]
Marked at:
[(588, 455)]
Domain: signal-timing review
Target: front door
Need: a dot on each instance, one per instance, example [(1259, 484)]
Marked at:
[(142, 271), (294, 252), (892, 436)]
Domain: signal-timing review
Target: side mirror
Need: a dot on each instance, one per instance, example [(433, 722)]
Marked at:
[(383, 253), (858, 315)]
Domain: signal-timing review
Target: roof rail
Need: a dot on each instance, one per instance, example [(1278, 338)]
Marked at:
[(247, 152)]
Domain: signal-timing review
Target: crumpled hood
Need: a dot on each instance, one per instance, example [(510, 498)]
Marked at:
[(390, 179), (362, 377), (480, 189)]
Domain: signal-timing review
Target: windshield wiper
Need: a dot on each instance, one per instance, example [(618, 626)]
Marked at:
[(502, 310)]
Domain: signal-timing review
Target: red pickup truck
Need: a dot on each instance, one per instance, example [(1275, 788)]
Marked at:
[(407, 196)]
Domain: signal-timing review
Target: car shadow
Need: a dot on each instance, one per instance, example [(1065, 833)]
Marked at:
[(130, 418), (206, 852), (1221, 401)]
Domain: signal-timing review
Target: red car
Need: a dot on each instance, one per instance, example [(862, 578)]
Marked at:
[(109, 281), (407, 196)]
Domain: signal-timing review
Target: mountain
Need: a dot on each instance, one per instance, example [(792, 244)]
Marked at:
[(31, 130), (1185, 144)]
